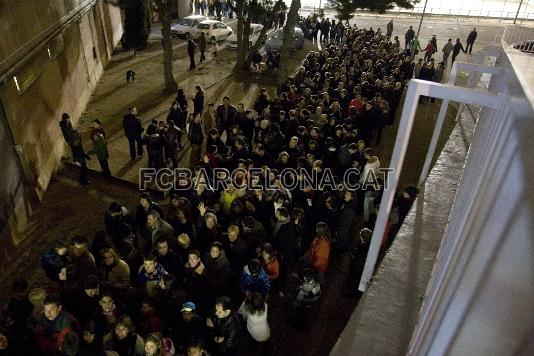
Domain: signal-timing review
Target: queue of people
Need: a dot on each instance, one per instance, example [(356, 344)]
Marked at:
[(202, 272)]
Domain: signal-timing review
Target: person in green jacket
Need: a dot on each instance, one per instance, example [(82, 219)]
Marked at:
[(414, 47), (100, 149)]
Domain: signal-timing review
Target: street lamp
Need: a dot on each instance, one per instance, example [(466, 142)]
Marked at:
[(421, 21), (519, 8)]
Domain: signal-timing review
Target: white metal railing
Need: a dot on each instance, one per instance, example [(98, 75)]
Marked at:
[(481, 275), (457, 13), (418, 88), (476, 70), (519, 37)]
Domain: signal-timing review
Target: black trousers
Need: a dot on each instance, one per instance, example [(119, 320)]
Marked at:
[(131, 142), (83, 170), (469, 47), (105, 167), (202, 56), (192, 61), (453, 58)]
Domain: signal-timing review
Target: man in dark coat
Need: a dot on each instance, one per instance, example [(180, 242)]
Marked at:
[(80, 156), (120, 225), (346, 221), (154, 146), (176, 115), (202, 46), (284, 241), (456, 50), (357, 260), (133, 130), (226, 115), (172, 138), (471, 40), (225, 327), (196, 138), (409, 36), (236, 250), (67, 129), (191, 45)]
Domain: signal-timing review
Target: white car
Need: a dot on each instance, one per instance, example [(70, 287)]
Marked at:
[(186, 26), (255, 28), (213, 29)]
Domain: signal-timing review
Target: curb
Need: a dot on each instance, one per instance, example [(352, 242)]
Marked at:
[(72, 169)]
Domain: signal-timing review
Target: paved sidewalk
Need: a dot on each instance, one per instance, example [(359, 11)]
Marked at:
[(113, 96)]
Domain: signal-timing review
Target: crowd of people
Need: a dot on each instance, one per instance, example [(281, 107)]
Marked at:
[(200, 273)]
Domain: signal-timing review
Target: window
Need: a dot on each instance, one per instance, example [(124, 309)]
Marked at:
[(55, 47), (203, 26), (25, 77)]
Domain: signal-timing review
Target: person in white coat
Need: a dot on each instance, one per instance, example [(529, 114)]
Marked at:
[(254, 312)]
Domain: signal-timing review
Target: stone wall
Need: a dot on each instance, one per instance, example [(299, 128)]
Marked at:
[(65, 73)]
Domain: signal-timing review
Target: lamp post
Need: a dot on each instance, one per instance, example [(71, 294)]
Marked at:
[(423, 15), (519, 8)]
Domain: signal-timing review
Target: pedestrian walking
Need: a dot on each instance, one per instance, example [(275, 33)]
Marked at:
[(408, 37), (198, 100), (389, 29), (415, 47), (100, 150), (66, 129), (447, 49), (471, 40), (133, 130), (456, 50), (429, 51), (202, 43), (172, 138), (80, 156), (196, 138), (214, 48), (191, 46)]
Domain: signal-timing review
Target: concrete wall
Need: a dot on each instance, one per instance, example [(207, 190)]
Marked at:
[(63, 84)]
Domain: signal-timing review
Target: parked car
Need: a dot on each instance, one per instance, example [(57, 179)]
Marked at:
[(214, 30), (275, 42), (255, 28), (186, 26), (524, 46)]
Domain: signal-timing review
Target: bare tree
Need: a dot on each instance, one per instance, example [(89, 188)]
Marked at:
[(165, 17), (247, 12), (289, 30)]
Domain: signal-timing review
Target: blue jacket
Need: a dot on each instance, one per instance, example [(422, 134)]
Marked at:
[(254, 284)]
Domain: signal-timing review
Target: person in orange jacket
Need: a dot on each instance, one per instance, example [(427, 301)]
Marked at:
[(319, 252)]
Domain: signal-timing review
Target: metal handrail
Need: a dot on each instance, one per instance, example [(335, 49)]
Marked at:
[(416, 89)]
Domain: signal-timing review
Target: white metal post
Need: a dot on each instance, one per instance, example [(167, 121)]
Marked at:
[(470, 67), (401, 144), (416, 88)]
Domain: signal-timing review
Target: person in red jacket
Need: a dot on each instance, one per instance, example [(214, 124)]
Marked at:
[(319, 252), (52, 325)]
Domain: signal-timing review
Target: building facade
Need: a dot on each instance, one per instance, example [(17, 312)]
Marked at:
[(52, 54)]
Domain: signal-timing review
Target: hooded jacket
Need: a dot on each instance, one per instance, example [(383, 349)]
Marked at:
[(254, 284)]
